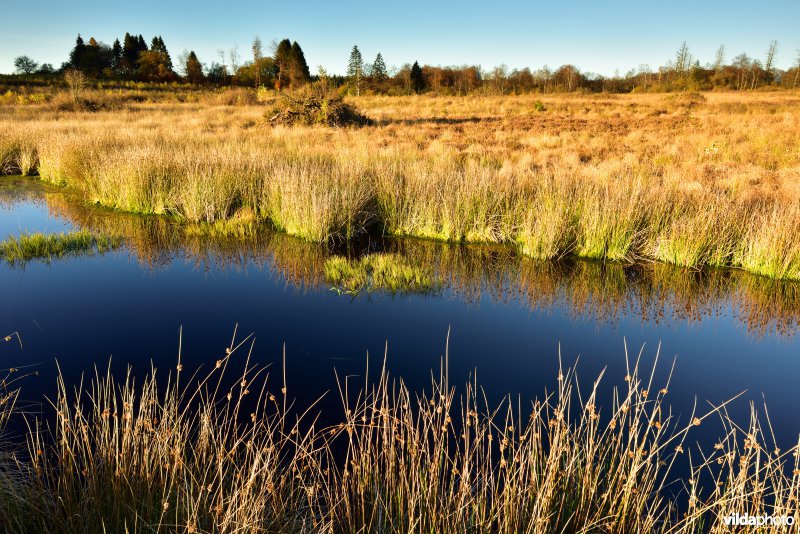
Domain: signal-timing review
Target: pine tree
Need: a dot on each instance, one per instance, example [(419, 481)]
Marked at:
[(116, 56), (299, 70), (417, 79), (78, 53), (355, 69), (379, 69), (130, 53), (194, 70), (157, 45), (283, 62), (140, 44)]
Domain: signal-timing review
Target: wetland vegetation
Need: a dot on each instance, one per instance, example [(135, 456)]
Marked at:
[(611, 177), (596, 207), (207, 454)]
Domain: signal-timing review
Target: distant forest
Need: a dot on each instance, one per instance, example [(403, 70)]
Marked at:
[(283, 65)]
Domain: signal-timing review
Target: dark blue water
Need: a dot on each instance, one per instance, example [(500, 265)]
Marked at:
[(506, 318)]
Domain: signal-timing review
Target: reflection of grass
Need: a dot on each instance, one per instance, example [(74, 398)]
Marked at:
[(389, 272), (48, 246), (228, 451), (592, 290)]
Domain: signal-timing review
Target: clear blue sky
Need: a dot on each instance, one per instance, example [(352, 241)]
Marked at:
[(596, 36)]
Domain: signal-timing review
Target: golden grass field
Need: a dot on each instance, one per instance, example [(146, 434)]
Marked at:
[(687, 179)]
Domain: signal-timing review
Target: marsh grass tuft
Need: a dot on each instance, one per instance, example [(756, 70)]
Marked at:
[(33, 246), (380, 271)]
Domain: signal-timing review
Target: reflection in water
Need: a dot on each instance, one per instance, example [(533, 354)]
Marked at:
[(588, 290)]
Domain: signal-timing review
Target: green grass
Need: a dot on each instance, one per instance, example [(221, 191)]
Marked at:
[(386, 272), (38, 246)]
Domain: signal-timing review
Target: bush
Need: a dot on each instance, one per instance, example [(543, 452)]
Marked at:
[(317, 104)]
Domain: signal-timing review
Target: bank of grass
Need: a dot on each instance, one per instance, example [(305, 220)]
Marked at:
[(611, 178), (379, 271), (39, 246), (208, 454)]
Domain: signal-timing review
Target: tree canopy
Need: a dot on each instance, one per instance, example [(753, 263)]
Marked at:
[(25, 65)]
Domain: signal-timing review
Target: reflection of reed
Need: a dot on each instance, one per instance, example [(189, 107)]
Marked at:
[(15, 189), (601, 292), (156, 241)]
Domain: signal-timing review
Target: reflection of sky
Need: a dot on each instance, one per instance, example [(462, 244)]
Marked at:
[(85, 310)]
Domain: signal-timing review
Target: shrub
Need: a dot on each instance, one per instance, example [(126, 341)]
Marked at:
[(318, 104)]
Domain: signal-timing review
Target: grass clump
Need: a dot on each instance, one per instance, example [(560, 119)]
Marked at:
[(771, 247), (547, 228), (610, 218), (387, 272), (695, 234), (32, 246)]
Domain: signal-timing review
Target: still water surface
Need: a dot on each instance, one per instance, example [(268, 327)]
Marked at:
[(507, 317)]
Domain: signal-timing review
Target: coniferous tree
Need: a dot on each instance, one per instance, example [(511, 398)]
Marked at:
[(355, 69), (116, 54), (299, 73), (157, 45), (417, 79), (194, 70), (141, 46), (130, 53), (379, 69), (76, 56), (283, 61)]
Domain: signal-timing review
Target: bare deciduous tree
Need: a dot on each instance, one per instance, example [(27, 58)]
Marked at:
[(258, 51), (682, 59), (719, 59), (234, 57), (75, 81), (769, 65)]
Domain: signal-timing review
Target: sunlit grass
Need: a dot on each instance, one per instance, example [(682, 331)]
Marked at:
[(387, 272), (612, 179), (39, 246)]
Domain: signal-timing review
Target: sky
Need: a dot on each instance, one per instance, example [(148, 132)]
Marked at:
[(597, 37)]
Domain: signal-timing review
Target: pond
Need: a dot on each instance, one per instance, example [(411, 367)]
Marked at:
[(504, 319)]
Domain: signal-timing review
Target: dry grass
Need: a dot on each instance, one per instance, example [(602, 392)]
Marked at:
[(607, 177), (209, 454)]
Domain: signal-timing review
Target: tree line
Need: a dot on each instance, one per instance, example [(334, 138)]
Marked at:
[(282, 65)]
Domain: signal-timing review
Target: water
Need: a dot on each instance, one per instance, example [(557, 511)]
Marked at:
[(507, 317)]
